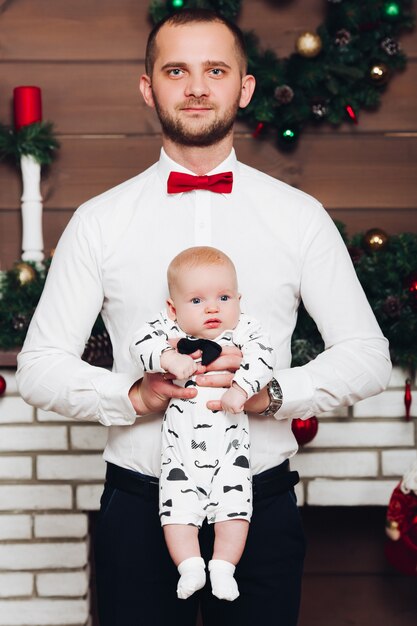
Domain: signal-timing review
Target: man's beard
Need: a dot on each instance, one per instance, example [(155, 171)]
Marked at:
[(204, 136)]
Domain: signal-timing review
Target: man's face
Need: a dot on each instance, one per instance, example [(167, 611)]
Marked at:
[(196, 83)]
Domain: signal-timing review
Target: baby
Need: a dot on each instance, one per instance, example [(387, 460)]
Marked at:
[(205, 470)]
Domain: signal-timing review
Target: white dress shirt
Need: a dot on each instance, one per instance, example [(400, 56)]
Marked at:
[(113, 258)]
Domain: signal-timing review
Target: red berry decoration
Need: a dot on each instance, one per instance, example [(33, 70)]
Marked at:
[(305, 430), (2, 385), (411, 286)]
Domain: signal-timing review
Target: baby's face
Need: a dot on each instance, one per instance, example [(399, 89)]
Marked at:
[(205, 301)]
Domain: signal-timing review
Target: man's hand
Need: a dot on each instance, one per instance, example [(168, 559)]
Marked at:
[(152, 393)]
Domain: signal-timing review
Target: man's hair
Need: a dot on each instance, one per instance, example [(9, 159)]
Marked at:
[(198, 256), (190, 16)]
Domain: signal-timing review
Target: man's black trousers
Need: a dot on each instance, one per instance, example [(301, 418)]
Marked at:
[(137, 581)]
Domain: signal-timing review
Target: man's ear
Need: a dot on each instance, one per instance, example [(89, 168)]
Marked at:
[(145, 87), (247, 89), (172, 312)]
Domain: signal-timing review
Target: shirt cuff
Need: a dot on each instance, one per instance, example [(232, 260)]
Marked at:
[(115, 408)]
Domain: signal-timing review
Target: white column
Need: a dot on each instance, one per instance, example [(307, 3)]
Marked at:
[(32, 237)]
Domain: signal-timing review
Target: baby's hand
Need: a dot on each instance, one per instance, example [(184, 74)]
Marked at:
[(180, 365), (233, 400)]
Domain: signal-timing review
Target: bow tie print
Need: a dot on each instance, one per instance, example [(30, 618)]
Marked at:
[(195, 445), (226, 488)]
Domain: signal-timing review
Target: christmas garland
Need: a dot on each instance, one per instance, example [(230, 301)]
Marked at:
[(341, 68), (36, 140), (386, 267)]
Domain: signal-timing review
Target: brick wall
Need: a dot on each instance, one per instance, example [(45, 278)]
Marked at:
[(51, 475)]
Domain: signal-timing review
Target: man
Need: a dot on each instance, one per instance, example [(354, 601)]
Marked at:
[(113, 257)]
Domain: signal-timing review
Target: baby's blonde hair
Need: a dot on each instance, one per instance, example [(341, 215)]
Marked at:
[(196, 256)]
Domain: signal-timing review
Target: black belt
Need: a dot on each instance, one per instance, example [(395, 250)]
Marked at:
[(266, 484)]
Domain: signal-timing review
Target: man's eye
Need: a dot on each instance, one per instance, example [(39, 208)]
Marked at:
[(217, 71), (175, 72), (224, 298), (196, 300)]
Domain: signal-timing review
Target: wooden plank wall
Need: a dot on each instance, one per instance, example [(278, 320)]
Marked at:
[(87, 55)]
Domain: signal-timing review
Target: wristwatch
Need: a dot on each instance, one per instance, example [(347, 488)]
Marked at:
[(275, 398)]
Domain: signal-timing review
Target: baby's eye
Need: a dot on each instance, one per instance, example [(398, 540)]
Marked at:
[(224, 298), (196, 300)]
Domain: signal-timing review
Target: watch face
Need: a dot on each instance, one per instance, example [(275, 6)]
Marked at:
[(275, 396), (275, 390)]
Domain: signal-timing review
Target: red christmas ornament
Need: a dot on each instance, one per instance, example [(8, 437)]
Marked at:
[(2, 385), (27, 104), (410, 284), (258, 130), (305, 430), (407, 399), (350, 111)]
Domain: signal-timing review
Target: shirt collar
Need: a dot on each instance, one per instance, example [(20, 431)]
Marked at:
[(166, 165)]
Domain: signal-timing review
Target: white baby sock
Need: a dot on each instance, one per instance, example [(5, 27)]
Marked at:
[(193, 576), (223, 585)]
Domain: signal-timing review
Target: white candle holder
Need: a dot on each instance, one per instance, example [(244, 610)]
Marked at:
[(32, 236)]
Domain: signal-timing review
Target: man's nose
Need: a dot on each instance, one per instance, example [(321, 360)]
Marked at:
[(197, 86)]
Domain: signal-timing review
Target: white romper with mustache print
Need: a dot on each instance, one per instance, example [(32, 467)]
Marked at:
[(205, 458)]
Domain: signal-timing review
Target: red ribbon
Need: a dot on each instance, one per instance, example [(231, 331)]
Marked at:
[(27, 104), (178, 182)]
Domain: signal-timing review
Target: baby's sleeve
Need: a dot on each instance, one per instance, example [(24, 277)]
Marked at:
[(257, 366), (148, 344)]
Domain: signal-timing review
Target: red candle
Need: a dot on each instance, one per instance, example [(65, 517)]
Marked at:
[(27, 106)]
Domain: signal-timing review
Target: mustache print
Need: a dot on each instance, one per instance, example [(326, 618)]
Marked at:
[(145, 338), (236, 514), (196, 463), (203, 426), (226, 488), (175, 406), (189, 491), (210, 504), (230, 427), (265, 363), (255, 389), (171, 432)]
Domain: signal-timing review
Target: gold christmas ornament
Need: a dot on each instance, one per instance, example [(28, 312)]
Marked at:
[(308, 45), (379, 73), (25, 273), (375, 240)]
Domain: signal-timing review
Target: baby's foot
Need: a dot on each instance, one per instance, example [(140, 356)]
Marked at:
[(223, 584), (193, 577)]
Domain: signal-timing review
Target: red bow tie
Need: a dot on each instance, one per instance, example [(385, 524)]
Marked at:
[(178, 182)]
